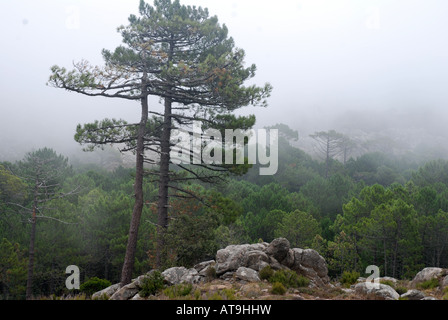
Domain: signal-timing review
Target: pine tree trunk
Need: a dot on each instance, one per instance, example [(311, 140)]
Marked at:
[(394, 261), (385, 256), (164, 178), (128, 266), (163, 201)]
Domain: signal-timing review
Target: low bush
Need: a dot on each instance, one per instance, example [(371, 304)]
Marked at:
[(225, 294), (289, 279), (349, 278), (388, 282), (210, 274), (94, 285), (302, 281), (152, 284), (429, 284), (278, 288), (178, 291), (266, 273), (401, 290)]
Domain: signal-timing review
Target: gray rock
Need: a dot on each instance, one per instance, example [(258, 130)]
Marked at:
[(393, 280), (208, 271), (315, 280), (381, 291), (413, 295), (191, 276), (427, 274), (312, 259), (429, 298), (174, 275), (139, 280), (278, 255), (235, 256), (115, 292), (203, 265), (311, 264), (445, 282), (247, 274), (106, 293), (289, 259), (348, 291), (178, 275), (137, 297), (298, 253), (237, 262), (255, 260), (275, 264), (228, 275), (278, 249), (126, 292)]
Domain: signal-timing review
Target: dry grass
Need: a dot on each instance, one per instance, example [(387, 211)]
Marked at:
[(218, 289), (225, 290)]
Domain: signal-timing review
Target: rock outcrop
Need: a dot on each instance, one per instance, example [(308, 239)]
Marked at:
[(245, 255), (106, 293), (278, 255), (179, 275), (379, 291), (429, 274), (386, 292), (247, 274), (413, 295), (241, 264), (445, 282), (236, 263)]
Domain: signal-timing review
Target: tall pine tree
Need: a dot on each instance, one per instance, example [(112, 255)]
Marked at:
[(182, 55)]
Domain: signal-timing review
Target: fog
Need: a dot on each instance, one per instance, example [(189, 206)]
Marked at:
[(366, 68)]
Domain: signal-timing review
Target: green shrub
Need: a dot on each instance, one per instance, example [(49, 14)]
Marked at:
[(94, 285), (210, 273), (302, 281), (225, 294), (349, 278), (266, 273), (429, 284), (152, 284), (401, 290), (197, 294), (280, 277), (178, 291), (289, 279), (104, 296), (215, 296), (388, 282), (229, 294), (278, 288)]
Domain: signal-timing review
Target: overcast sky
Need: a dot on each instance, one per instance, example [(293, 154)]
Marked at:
[(323, 57)]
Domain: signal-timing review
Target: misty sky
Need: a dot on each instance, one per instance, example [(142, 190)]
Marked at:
[(331, 62)]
